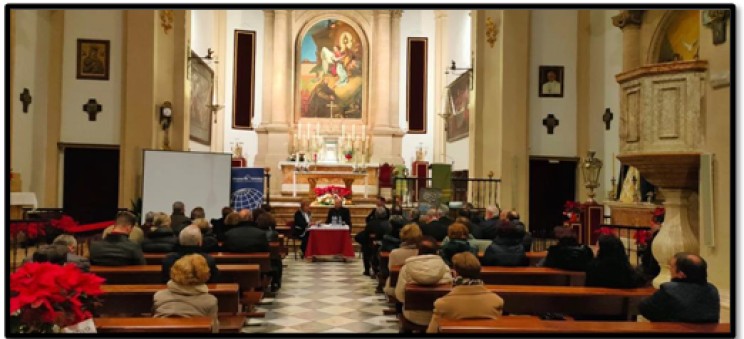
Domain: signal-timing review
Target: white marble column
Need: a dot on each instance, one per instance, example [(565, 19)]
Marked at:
[(675, 234), (268, 64), (281, 89), (395, 69), (440, 36), (381, 72)]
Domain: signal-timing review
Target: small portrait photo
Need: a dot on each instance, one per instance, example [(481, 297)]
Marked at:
[(551, 81), (93, 59)]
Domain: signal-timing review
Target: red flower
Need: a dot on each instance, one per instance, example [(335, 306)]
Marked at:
[(334, 190), (642, 237), (605, 231)]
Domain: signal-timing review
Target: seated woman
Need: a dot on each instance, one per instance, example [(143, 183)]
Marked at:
[(187, 294), (507, 248), (160, 238), (457, 235), (410, 237), (568, 254), (611, 268)]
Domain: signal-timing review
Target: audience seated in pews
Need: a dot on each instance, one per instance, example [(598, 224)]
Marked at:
[(64, 246), (507, 248), (231, 221), (187, 294), (457, 241), (373, 214), (209, 239), (414, 216), (149, 221), (116, 249), (611, 268), (426, 268), (136, 235), (267, 223), (245, 237), (190, 242), (179, 220), (396, 210), (392, 240), (197, 213), (489, 226), (376, 228), (568, 254), (302, 220), (437, 224), (160, 237), (688, 297), (218, 225), (469, 298), (513, 218), (410, 236)]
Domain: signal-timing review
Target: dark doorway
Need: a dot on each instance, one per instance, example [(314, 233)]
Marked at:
[(552, 183), (91, 183)]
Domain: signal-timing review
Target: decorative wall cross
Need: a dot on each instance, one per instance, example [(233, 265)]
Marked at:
[(331, 106), (607, 118), (550, 122), (25, 99), (92, 108)]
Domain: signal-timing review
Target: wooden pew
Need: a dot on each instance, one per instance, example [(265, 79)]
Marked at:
[(248, 277), (510, 325), (543, 276), (573, 301), (262, 259), (136, 300), (534, 257), (153, 325)]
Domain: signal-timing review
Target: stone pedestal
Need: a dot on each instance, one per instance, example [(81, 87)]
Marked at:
[(675, 235)]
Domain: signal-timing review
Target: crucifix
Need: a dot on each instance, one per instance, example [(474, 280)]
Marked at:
[(331, 106), (25, 99), (550, 122), (607, 118), (92, 108)]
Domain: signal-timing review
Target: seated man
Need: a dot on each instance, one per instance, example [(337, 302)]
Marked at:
[(302, 220), (437, 226), (568, 254), (426, 268), (507, 248), (245, 237), (115, 249), (190, 240), (380, 203), (468, 299), (488, 227), (67, 246), (218, 225), (137, 235), (340, 213), (688, 297)]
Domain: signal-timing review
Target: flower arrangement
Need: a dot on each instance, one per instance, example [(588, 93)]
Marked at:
[(658, 215), (572, 210), (348, 154), (46, 297), (642, 237), (605, 231), (31, 230), (327, 195)]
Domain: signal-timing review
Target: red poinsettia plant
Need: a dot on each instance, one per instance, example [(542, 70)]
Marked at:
[(31, 229), (605, 231), (642, 237), (572, 210), (46, 297), (333, 190)]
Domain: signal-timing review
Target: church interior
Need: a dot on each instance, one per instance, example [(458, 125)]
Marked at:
[(598, 123)]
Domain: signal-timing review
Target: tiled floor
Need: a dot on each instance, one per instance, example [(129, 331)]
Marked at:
[(325, 297)]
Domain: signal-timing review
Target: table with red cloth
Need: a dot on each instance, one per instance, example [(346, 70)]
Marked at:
[(329, 242)]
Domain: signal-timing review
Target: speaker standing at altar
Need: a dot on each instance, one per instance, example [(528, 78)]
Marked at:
[(339, 211)]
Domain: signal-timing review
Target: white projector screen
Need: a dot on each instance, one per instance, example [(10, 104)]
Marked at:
[(195, 178)]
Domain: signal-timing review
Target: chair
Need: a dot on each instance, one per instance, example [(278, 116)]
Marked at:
[(385, 178), (292, 238)]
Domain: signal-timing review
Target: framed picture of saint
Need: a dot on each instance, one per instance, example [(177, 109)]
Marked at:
[(93, 59), (551, 81), (200, 115), (458, 108), (331, 71)]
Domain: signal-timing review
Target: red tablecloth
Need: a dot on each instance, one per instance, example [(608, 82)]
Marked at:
[(329, 242)]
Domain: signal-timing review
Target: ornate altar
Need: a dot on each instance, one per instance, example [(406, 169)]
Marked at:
[(301, 178)]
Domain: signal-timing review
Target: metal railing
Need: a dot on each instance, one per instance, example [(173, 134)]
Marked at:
[(481, 192), (542, 239)]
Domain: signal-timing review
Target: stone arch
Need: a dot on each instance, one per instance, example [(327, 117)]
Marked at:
[(665, 19)]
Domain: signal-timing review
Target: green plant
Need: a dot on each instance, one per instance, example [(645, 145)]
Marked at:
[(137, 208)]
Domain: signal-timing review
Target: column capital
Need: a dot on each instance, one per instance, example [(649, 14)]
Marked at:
[(628, 18), (396, 13), (440, 14)]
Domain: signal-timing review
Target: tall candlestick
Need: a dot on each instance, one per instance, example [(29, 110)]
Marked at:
[(613, 164)]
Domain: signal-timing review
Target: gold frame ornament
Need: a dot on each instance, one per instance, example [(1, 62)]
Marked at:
[(166, 20), (491, 31)]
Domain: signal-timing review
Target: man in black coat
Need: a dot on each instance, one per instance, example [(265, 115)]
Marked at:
[(302, 220), (568, 254), (688, 297), (116, 249), (437, 227), (489, 227), (218, 225), (190, 241), (373, 231), (339, 211), (245, 237), (380, 204), (179, 220)]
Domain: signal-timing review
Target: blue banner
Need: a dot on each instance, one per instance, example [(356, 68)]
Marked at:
[(246, 188)]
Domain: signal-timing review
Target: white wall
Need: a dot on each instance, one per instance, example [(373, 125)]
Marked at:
[(458, 49), (605, 55), (417, 23), (202, 33), (101, 25), (244, 20), (553, 42)]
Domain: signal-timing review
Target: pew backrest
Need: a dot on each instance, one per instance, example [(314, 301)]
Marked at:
[(136, 300), (510, 325), (499, 275), (247, 276), (153, 325), (262, 259)]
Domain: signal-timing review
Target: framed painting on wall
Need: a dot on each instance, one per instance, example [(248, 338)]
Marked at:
[(93, 59), (200, 115), (331, 71), (458, 108), (551, 81)]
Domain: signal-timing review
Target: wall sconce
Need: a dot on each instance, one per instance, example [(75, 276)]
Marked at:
[(166, 115), (208, 57), (590, 168), (453, 69)]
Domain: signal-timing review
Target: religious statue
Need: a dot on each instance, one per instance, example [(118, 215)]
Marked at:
[(420, 153), (631, 190), (238, 150)]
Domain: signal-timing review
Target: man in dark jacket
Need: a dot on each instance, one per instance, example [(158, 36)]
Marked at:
[(688, 297), (246, 237), (160, 240), (375, 229), (116, 249), (340, 212), (179, 220), (437, 227), (506, 249), (218, 225), (190, 241), (379, 204), (302, 220), (492, 222), (568, 254)]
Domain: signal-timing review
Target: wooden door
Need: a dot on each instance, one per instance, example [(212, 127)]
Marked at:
[(91, 183), (552, 183)]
